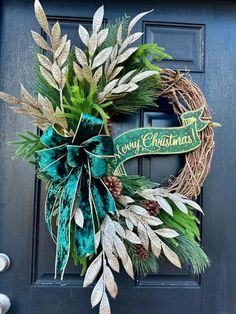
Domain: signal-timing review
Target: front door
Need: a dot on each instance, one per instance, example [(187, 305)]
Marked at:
[(200, 36)]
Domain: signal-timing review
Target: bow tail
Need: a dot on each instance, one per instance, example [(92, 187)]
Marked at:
[(52, 197), (102, 199), (84, 237), (67, 202), (94, 201)]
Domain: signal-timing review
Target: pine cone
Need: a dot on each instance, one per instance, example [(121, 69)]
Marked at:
[(114, 185), (152, 207), (142, 252)]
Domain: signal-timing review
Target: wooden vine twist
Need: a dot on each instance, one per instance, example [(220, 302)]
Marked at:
[(185, 95)]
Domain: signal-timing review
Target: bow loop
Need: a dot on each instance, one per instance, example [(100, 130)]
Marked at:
[(88, 127), (75, 155)]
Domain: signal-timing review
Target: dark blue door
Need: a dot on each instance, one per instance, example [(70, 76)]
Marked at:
[(200, 35)]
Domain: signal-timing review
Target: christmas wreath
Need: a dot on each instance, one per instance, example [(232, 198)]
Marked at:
[(94, 210)]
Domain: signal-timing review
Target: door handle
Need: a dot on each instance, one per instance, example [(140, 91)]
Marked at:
[(5, 304), (4, 263)]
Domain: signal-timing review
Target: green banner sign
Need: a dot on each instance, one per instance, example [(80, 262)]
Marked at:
[(154, 141)]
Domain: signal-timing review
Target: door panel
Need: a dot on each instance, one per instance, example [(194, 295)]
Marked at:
[(200, 37)]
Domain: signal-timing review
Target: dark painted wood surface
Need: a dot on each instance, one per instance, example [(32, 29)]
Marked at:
[(200, 36)]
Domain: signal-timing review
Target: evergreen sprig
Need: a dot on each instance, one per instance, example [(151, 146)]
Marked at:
[(132, 184), (142, 267), (190, 253), (187, 224), (29, 143)]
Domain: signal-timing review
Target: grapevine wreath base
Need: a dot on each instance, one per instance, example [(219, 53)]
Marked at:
[(94, 211), (185, 95)]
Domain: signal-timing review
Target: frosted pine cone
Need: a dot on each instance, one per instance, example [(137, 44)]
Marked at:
[(114, 185), (142, 252), (152, 207)]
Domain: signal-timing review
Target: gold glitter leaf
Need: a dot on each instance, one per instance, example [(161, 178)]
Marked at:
[(97, 292), (81, 57), (138, 210), (26, 97), (125, 200), (104, 305), (171, 255), (48, 77), (98, 18), (134, 219), (126, 76), (44, 61), (155, 249), (164, 205), (115, 72), (119, 229), (152, 221), (107, 246), (97, 75), (101, 57), (193, 205), (143, 75), (78, 71), (63, 78), (167, 233), (110, 282), (119, 34), (132, 87), (84, 35), (181, 206), (111, 67), (93, 44), (109, 87), (136, 19), (45, 105), (102, 35), (132, 237), (124, 213), (56, 72), (60, 47), (64, 54), (126, 54), (40, 41), (120, 89), (114, 53), (114, 263), (41, 17), (129, 40), (87, 73), (128, 266), (93, 271), (12, 100), (129, 224), (143, 236), (121, 249), (55, 35), (153, 237)]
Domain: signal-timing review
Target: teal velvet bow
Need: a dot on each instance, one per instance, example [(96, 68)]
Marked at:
[(75, 166)]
